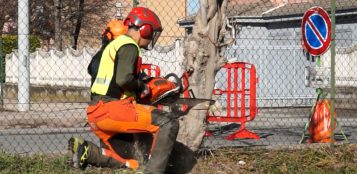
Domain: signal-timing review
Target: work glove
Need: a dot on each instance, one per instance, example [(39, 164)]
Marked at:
[(145, 92), (144, 77)]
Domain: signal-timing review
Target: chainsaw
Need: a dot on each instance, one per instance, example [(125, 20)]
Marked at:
[(169, 90)]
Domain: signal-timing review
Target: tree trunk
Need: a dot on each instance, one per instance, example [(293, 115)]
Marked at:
[(1, 25), (203, 53), (58, 26), (80, 14)]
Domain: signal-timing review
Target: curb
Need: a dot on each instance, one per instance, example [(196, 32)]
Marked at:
[(37, 131)]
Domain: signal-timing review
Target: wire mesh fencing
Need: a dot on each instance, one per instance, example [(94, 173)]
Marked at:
[(265, 95)]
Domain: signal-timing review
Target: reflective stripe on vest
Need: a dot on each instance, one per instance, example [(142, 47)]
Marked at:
[(106, 65)]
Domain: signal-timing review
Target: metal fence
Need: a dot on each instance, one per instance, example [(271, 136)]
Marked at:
[(44, 96)]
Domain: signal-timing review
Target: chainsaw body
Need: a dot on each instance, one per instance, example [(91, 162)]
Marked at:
[(166, 91), (161, 87)]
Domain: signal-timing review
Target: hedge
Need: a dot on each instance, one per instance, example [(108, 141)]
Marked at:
[(9, 43)]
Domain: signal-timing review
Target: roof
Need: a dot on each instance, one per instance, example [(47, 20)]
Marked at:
[(264, 9), (187, 20), (298, 9), (249, 9)]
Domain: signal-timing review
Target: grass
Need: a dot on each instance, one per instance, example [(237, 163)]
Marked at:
[(45, 164), (324, 160), (342, 159)]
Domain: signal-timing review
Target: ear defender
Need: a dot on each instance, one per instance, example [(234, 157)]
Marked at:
[(127, 22), (109, 34), (146, 31)]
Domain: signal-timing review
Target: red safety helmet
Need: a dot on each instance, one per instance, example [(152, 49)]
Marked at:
[(147, 22), (114, 29)]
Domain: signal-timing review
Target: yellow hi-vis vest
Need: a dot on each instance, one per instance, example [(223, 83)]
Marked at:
[(106, 66)]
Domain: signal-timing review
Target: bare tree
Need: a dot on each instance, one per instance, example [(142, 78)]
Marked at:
[(87, 17), (78, 23), (8, 11), (204, 53), (65, 20), (81, 19), (58, 27), (42, 24)]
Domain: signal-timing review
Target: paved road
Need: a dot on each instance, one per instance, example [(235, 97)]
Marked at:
[(280, 127), (48, 127), (36, 140)]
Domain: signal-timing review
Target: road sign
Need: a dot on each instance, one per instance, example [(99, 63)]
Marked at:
[(316, 31)]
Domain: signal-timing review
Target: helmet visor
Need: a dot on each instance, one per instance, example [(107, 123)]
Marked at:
[(154, 38)]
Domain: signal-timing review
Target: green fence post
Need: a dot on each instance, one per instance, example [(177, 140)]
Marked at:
[(2, 75), (135, 3), (333, 53)]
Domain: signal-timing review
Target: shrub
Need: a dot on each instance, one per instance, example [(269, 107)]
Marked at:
[(9, 43)]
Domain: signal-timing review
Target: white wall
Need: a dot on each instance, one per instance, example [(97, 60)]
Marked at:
[(69, 68), (345, 67)]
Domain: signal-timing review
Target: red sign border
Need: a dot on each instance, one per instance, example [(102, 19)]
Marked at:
[(324, 14)]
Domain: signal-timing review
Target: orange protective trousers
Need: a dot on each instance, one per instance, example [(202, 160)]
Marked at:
[(120, 116)]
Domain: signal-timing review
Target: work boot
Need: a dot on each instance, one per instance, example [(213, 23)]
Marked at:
[(72, 147), (82, 155), (89, 153)]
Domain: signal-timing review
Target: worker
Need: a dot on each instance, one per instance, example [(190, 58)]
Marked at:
[(113, 29), (114, 108)]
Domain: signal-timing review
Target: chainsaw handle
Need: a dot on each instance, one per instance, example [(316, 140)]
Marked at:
[(178, 80), (183, 81), (189, 71)]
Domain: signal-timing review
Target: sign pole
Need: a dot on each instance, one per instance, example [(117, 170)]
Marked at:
[(332, 89), (316, 40)]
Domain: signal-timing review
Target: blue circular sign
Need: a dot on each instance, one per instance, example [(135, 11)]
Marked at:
[(316, 31)]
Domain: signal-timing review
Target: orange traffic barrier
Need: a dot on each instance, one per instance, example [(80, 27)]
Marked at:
[(240, 99)]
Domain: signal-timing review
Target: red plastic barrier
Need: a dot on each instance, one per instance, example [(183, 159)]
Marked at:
[(151, 70), (238, 93)]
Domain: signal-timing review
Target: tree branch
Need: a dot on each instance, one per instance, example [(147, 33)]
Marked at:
[(79, 24), (203, 28), (212, 9)]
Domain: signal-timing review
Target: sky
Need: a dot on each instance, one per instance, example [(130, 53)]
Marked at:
[(193, 6)]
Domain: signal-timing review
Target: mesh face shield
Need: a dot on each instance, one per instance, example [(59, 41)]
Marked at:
[(155, 36)]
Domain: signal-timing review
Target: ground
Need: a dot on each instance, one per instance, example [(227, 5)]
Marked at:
[(310, 159), (317, 158)]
